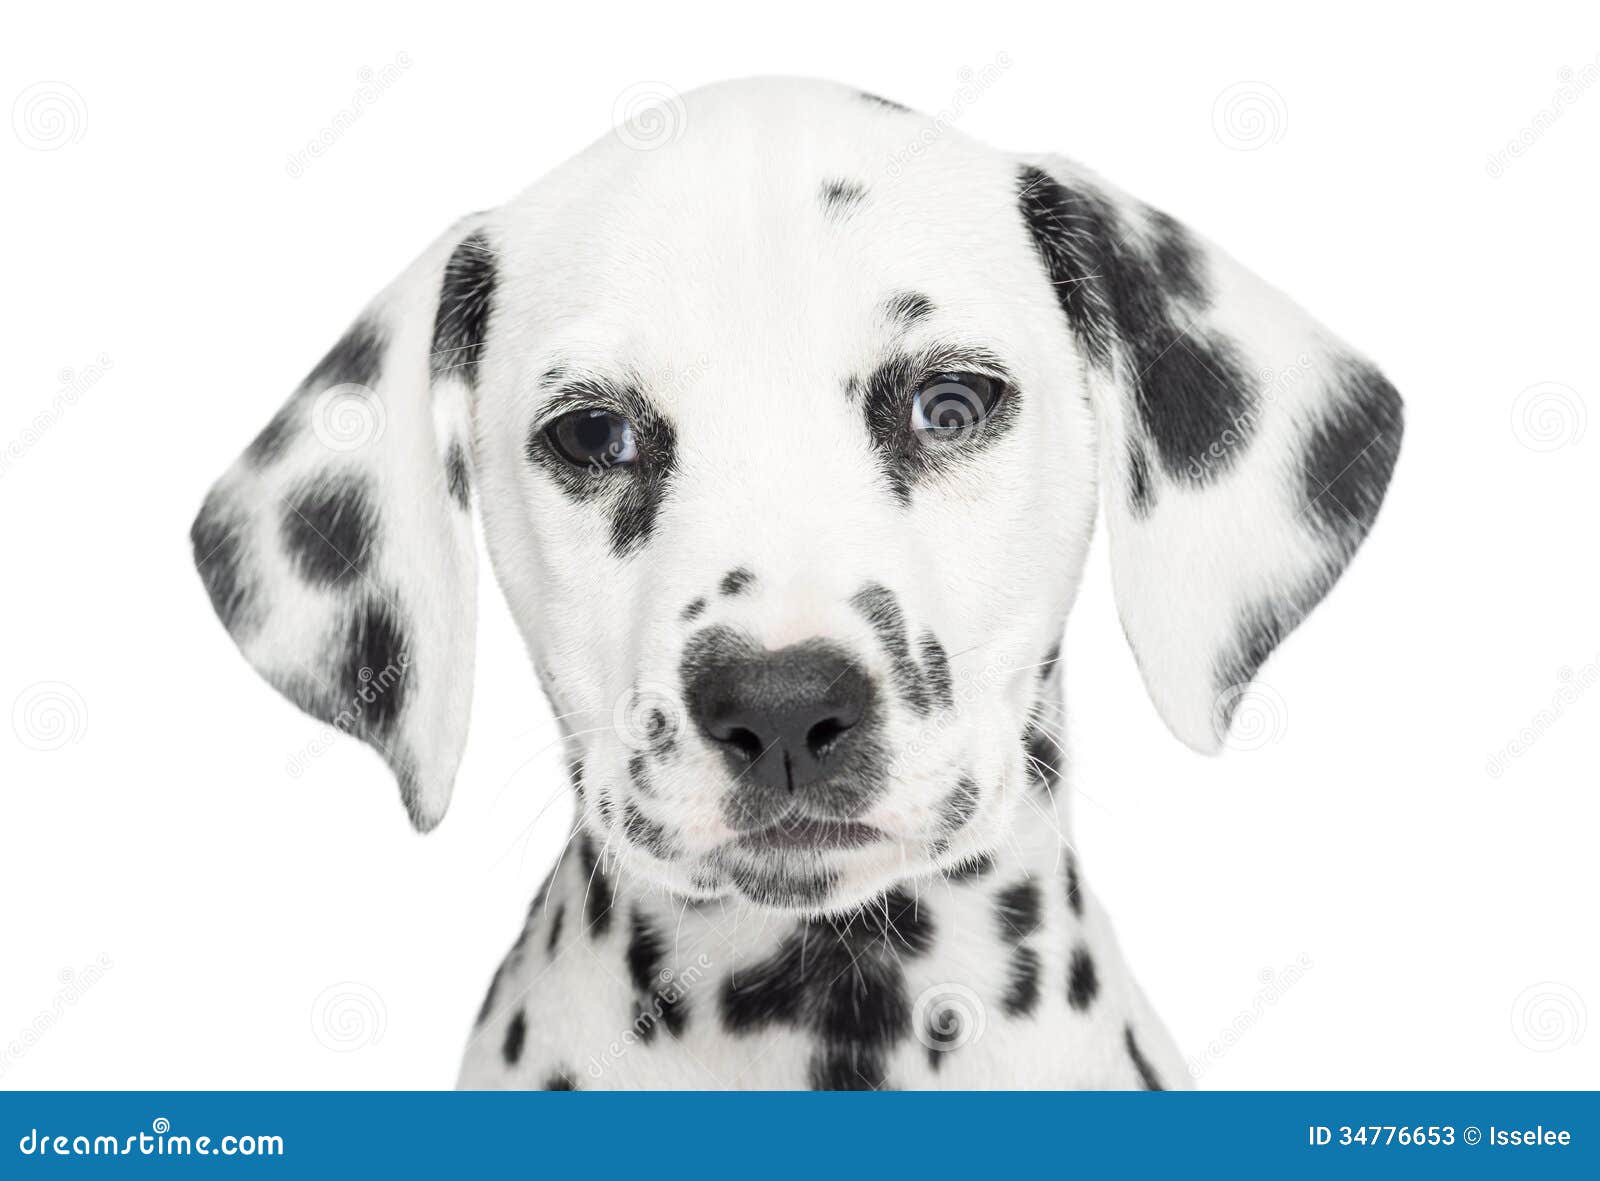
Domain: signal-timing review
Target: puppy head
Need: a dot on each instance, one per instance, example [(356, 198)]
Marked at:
[(787, 444)]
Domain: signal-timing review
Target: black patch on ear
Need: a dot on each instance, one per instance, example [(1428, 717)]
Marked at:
[(330, 529), (887, 104), (457, 477), (1350, 455), (1147, 1075), (1074, 890), (219, 553), (1189, 385), (694, 610), (841, 981), (646, 959), (376, 668), (840, 196), (1019, 909), (1141, 496), (1083, 985), (735, 581), (1022, 986), (560, 1080), (631, 496), (275, 437), (357, 359), (598, 886), (516, 1035), (905, 308), (466, 301), (1257, 632)]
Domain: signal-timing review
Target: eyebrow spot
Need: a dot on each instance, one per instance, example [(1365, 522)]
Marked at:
[(694, 609), (735, 581), (840, 196), (907, 307)]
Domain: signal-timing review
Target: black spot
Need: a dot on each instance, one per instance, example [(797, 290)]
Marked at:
[(466, 301), (556, 921), (1074, 891), (1141, 496), (1019, 908), (598, 886), (959, 806), (936, 671), (659, 999), (630, 496), (1048, 664), (1082, 983), (217, 537), (560, 1080), (907, 456), (840, 196), (516, 1034), (357, 359), (512, 959), (887, 104), (735, 581), (377, 667), (639, 774), (1350, 455), (842, 981), (1022, 982), (1190, 387), (330, 529), (1044, 758), (695, 609), (972, 868), (1147, 1075), (281, 429), (906, 308), (1258, 630), (648, 834), (942, 1034), (457, 476), (881, 609)]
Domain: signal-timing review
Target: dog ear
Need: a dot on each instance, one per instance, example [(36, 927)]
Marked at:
[(338, 549), (1243, 451)]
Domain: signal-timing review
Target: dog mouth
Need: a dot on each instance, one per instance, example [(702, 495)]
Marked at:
[(797, 833)]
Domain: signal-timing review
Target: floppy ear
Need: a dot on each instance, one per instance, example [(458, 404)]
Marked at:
[(338, 549), (1244, 451)]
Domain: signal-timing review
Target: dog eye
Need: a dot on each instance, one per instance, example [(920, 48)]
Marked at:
[(949, 404), (595, 439)]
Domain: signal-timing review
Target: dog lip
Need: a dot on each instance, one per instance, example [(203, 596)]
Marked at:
[(810, 833)]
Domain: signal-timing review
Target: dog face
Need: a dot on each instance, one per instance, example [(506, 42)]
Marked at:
[(787, 450)]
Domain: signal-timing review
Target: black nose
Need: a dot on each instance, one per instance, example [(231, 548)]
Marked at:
[(784, 718)]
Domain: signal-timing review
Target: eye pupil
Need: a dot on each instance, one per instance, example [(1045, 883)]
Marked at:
[(593, 439)]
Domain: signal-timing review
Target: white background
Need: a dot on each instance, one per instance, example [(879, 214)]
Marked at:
[(194, 893)]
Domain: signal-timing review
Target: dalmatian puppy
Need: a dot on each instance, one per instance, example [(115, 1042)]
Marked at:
[(787, 437)]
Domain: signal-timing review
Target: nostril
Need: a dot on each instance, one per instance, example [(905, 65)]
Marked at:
[(822, 736), (744, 741)]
